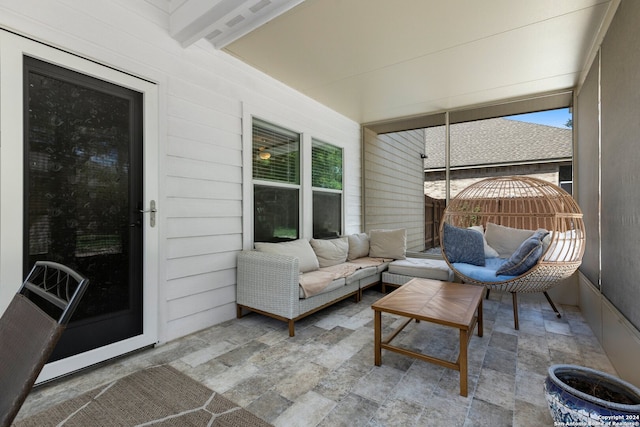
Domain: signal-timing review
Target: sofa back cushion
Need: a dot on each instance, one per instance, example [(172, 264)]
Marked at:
[(358, 246), (300, 249), (330, 252), (388, 243), (505, 240)]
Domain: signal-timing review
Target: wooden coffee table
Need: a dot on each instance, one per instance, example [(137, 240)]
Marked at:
[(444, 303)]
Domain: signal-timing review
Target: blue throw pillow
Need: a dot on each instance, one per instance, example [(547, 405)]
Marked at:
[(463, 245), (525, 257)]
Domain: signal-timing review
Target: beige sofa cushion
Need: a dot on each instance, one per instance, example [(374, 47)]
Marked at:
[(388, 243), (427, 268), (361, 274), (358, 246), (330, 252), (300, 249)]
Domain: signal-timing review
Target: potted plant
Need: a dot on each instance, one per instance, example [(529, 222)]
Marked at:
[(577, 395)]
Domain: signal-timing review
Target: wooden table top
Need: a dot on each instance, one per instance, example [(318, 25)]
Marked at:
[(444, 303)]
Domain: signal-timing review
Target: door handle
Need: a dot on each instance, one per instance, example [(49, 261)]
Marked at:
[(152, 211)]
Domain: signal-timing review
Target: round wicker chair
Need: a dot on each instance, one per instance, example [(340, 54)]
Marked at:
[(524, 203)]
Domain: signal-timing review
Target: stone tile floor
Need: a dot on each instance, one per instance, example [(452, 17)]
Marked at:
[(325, 376)]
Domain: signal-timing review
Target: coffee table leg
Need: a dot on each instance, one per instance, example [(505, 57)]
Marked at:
[(464, 340), (377, 352)]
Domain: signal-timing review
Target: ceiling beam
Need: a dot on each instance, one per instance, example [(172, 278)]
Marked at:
[(223, 21), (194, 19)]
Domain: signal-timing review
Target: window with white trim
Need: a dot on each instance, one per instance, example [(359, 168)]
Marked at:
[(276, 183), (297, 184), (326, 180)]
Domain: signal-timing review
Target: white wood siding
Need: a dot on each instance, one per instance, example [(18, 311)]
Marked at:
[(202, 93), (394, 183)]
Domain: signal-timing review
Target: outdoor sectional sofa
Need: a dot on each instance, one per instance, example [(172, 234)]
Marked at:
[(291, 280)]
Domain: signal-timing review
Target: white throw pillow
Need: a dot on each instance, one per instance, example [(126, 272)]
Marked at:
[(330, 252), (358, 246), (505, 240), (300, 249), (489, 252), (388, 243)]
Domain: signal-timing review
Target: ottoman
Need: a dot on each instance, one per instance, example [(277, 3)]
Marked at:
[(403, 270)]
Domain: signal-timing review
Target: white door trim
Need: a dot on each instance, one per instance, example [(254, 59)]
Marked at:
[(12, 50)]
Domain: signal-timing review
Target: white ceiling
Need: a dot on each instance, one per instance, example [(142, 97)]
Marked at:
[(375, 60)]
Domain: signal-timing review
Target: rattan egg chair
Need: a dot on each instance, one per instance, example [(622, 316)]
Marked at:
[(525, 203)]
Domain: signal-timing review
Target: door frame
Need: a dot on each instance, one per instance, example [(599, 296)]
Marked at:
[(12, 50)]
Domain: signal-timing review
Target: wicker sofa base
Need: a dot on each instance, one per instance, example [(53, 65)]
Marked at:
[(291, 322), (269, 284)]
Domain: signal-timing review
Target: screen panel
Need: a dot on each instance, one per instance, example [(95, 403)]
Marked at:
[(620, 66), (588, 170)]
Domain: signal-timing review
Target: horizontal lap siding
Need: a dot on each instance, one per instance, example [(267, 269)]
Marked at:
[(206, 170), (202, 92), (394, 188)]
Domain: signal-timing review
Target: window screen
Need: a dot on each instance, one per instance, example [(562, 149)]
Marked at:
[(326, 166), (276, 189), (327, 215), (326, 179), (276, 153), (276, 213)]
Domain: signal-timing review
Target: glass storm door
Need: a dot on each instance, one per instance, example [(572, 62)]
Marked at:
[(83, 197)]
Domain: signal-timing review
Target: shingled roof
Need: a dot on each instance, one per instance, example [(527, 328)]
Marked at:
[(498, 141)]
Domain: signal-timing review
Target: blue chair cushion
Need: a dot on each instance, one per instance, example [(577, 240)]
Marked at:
[(463, 245), (483, 274), (525, 257)]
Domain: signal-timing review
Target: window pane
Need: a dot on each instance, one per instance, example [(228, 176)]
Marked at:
[(83, 182), (326, 166), (566, 173), (276, 153), (327, 214), (81, 178), (566, 178), (276, 213)]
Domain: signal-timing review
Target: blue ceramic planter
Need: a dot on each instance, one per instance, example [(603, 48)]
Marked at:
[(570, 406)]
